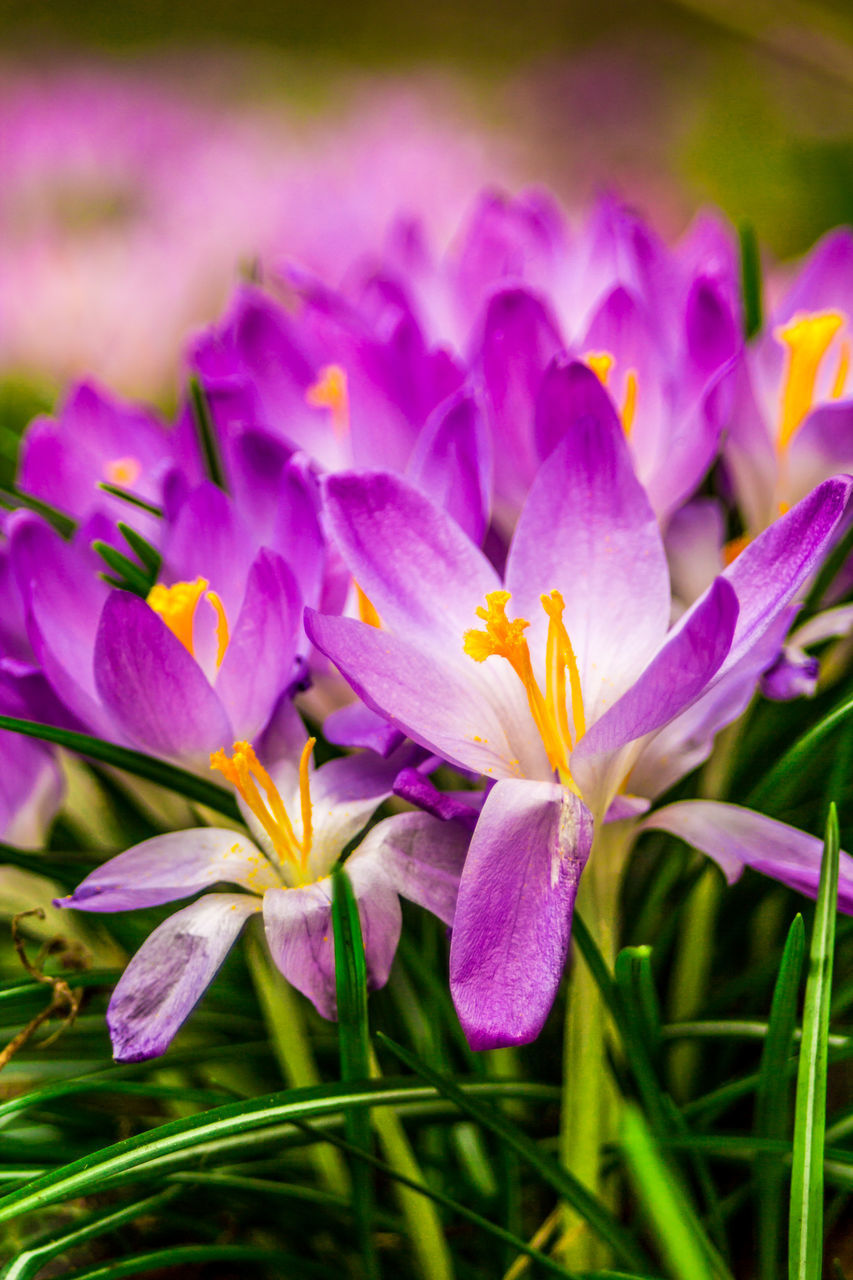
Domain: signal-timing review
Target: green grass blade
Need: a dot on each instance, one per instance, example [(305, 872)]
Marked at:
[(127, 572), (206, 432), (750, 278), (183, 1255), (126, 496), (141, 547), (136, 762), (772, 1100), (776, 786), (673, 1223), (805, 1242), (62, 523), (570, 1189), (354, 1047)]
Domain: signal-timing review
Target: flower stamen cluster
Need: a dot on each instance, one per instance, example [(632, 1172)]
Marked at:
[(177, 604), (244, 771)]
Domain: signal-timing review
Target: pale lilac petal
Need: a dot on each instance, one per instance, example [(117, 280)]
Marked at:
[(435, 703), (451, 463), (625, 807), (170, 972), (421, 856), (794, 674), (680, 671), (735, 837), (514, 911), (423, 575), (588, 530), (259, 662), (694, 541), (31, 791), (771, 569), (153, 687), (358, 726), (344, 795), (825, 280), (821, 447), (171, 866)]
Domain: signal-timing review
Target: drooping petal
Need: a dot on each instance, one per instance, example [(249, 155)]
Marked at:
[(172, 866), (587, 529), (736, 837), (420, 571), (170, 972), (153, 686), (514, 911), (421, 855)]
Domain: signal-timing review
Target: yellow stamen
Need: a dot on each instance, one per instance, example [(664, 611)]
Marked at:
[(123, 471), (629, 404), (242, 770), (176, 605), (330, 392), (221, 625), (807, 339), (601, 362), (505, 639), (366, 611)]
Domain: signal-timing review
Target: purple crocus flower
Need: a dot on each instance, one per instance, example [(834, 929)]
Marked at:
[(301, 819), (559, 694)]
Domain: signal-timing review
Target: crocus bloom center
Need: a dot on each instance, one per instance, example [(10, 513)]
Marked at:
[(601, 363), (807, 338), (244, 771), (123, 471), (505, 639), (177, 604), (330, 392)]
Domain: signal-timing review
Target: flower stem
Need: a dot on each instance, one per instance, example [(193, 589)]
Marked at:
[(589, 1109)]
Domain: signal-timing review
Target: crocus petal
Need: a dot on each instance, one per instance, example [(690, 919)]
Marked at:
[(451, 463), (259, 661), (173, 866), (298, 925), (513, 916), (418, 568), (358, 726), (771, 569), (735, 837), (31, 791), (421, 856), (210, 539), (464, 806), (587, 529), (153, 686), (680, 671), (170, 972), (694, 541)]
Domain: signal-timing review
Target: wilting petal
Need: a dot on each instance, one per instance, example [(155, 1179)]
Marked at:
[(298, 925), (153, 686), (770, 570), (514, 912), (259, 660), (736, 837), (451, 463), (420, 571), (173, 866), (422, 856), (170, 972), (588, 530)]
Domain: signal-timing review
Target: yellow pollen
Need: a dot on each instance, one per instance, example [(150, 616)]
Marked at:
[(807, 339), (601, 362), (123, 471), (366, 611), (504, 638), (244, 771), (176, 605), (840, 380), (330, 392)]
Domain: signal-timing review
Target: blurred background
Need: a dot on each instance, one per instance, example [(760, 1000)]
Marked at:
[(152, 152)]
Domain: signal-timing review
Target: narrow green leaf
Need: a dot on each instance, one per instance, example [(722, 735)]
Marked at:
[(772, 1100), (126, 571), (750, 278), (182, 1255), (805, 1237), (354, 1046), (206, 431), (776, 786), (676, 1231), (62, 523), (126, 496), (136, 762), (568, 1187), (141, 547)]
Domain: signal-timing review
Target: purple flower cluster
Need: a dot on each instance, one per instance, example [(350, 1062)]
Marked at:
[(461, 517)]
